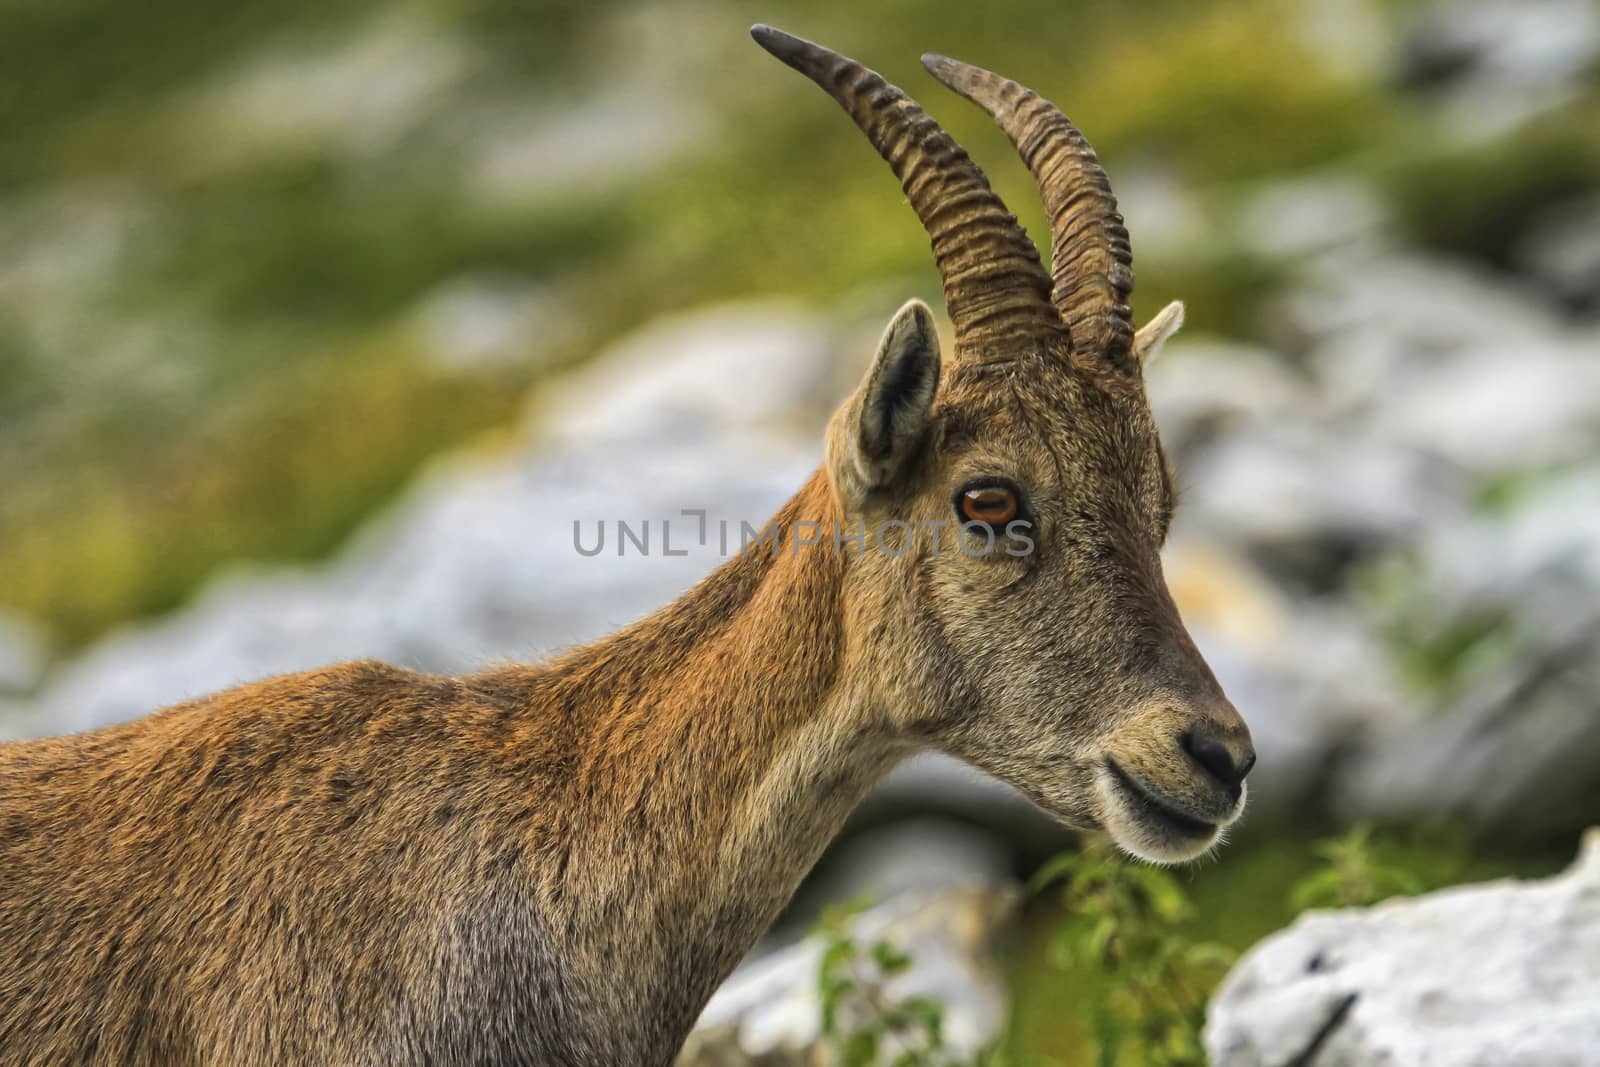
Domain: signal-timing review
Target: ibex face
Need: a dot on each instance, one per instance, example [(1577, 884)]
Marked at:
[(1038, 640)]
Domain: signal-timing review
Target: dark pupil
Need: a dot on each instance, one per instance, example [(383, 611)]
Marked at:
[(988, 502)]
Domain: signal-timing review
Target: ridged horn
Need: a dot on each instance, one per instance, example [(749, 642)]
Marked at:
[(1090, 259), (995, 287)]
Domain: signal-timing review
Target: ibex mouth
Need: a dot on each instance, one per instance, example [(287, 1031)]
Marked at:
[(1157, 809), (1150, 826)]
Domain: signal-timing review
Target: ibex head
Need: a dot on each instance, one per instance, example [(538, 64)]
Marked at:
[(1038, 641)]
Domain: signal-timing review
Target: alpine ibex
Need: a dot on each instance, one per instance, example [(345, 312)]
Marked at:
[(557, 864)]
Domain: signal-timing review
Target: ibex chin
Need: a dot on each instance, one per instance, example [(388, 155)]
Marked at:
[(557, 864)]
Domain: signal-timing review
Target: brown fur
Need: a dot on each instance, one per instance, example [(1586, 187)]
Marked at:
[(556, 864), (365, 865)]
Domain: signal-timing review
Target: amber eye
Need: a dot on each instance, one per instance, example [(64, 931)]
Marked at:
[(992, 504)]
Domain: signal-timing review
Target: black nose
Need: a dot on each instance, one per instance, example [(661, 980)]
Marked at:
[(1227, 762)]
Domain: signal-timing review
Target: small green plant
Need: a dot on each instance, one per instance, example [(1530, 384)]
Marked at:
[(862, 1024), (1353, 875), (1145, 981)]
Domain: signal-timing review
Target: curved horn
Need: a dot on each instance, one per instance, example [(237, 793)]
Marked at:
[(1089, 254), (994, 285)]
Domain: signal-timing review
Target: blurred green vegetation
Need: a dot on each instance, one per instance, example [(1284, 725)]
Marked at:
[(230, 371)]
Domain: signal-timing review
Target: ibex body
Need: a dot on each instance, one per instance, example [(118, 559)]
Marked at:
[(557, 864)]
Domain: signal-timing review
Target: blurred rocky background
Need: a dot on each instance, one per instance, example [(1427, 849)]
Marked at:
[(322, 323)]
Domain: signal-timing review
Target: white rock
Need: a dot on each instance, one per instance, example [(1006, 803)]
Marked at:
[(1495, 975), (1562, 249), (1163, 211), (24, 650), (1299, 496), (1502, 62), (1305, 215), (769, 1012), (1431, 359), (1513, 44), (1516, 756), (491, 321), (1547, 542), (1512, 741), (1202, 389)]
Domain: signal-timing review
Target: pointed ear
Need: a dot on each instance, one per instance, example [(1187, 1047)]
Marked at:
[(882, 425), (1148, 341)]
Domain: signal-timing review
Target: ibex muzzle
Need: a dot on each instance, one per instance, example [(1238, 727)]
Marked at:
[(558, 863)]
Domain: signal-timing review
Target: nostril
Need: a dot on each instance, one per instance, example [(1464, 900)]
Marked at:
[(1217, 758)]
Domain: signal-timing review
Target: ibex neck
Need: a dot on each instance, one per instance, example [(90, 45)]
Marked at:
[(723, 744)]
